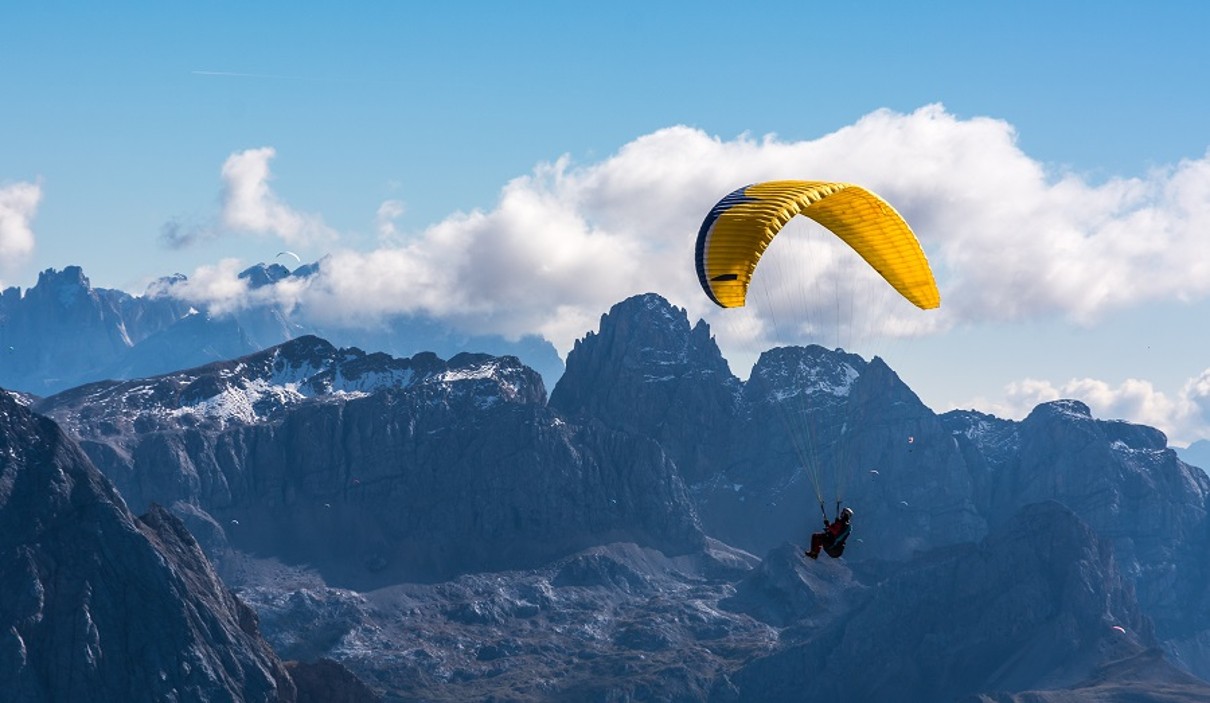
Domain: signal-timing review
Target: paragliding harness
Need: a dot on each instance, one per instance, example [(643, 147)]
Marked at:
[(833, 543)]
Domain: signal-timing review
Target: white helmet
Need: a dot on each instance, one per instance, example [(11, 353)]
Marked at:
[(846, 514)]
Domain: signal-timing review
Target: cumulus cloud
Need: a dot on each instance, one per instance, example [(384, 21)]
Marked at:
[(18, 205), (250, 205), (384, 221), (1184, 417), (1008, 239), (221, 291)]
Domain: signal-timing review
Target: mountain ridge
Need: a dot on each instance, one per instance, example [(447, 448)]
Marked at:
[(62, 332), (649, 440)]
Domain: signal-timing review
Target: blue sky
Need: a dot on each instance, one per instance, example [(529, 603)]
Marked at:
[(498, 165)]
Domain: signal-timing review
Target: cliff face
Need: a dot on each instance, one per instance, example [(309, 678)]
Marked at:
[(811, 424), (755, 453), (1127, 485), (974, 536), (646, 371), (100, 606), (63, 331), (1032, 606), (380, 469)]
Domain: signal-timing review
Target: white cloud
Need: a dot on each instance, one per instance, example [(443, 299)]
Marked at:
[(384, 221), (218, 287), (18, 205), (221, 291), (1184, 417), (1007, 239), (250, 205)]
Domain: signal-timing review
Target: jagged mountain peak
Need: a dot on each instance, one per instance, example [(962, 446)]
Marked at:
[(996, 438), (64, 289), (69, 276), (261, 274), (259, 386), (63, 333), (644, 335), (163, 282), (1067, 409), (783, 372), (650, 305), (264, 274), (647, 330), (1074, 415), (647, 370)]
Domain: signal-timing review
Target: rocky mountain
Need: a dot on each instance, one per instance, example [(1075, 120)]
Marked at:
[(611, 622), (748, 450), (1196, 454), (98, 605), (1127, 485), (63, 332), (918, 480), (377, 469), (1037, 604), (647, 371), (442, 530)]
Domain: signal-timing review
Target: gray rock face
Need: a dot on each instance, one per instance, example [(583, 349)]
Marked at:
[(1032, 606), (647, 371), (611, 623), (1125, 483), (328, 681), (917, 481), (379, 469), (787, 590), (99, 606), (63, 332), (749, 451)]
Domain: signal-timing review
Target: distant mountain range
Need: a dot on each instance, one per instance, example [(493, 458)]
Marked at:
[(1196, 454), (447, 532), (62, 332)]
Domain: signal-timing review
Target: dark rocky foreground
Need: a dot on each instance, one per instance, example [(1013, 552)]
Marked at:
[(1034, 607), (97, 605)]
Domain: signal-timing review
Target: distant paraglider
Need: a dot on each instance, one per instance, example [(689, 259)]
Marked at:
[(297, 259), (1120, 629)]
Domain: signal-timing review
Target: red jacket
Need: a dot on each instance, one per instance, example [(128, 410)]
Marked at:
[(837, 531)]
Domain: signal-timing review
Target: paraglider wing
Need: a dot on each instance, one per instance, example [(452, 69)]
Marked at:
[(739, 228), (297, 258)]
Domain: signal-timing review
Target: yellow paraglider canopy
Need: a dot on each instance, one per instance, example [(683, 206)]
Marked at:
[(740, 227)]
